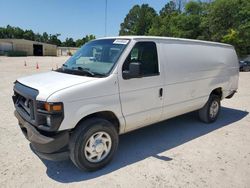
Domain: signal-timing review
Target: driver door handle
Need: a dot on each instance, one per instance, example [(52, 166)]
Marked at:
[(160, 92)]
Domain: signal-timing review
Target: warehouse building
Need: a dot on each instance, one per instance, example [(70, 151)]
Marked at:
[(28, 47)]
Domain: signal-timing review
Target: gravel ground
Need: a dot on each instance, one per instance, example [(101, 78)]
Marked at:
[(180, 152)]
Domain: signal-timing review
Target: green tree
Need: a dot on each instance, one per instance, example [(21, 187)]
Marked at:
[(69, 42), (180, 4), (204, 25), (89, 38), (229, 21), (18, 33), (225, 21), (222, 16), (84, 40), (29, 35), (138, 21), (45, 37), (162, 23), (79, 42), (190, 20), (193, 8), (9, 32), (168, 10), (2, 31), (171, 22), (53, 39), (38, 37)]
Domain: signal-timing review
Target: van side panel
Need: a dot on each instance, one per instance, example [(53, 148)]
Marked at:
[(233, 72), (193, 70)]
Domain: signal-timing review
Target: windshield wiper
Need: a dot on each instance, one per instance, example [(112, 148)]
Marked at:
[(79, 71), (85, 70)]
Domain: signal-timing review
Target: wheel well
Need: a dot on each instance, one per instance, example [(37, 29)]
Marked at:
[(108, 115), (218, 92)]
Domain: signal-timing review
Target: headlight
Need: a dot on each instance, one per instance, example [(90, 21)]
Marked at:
[(49, 115)]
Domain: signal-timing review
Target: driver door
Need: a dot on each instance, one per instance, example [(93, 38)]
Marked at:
[(141, 98)]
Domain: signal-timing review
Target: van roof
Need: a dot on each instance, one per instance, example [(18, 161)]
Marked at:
[(170, 39)]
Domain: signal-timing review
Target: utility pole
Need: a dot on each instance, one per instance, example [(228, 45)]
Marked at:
[(106, 7)]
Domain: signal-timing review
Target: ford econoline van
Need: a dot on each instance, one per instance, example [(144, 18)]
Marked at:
[(114, 85)]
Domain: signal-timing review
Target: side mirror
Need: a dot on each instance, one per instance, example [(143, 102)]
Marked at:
[(133, 72)]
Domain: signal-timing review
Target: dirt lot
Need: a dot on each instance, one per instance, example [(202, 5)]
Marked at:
[(181, 152)]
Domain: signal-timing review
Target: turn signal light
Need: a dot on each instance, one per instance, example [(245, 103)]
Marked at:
[(53, 107)]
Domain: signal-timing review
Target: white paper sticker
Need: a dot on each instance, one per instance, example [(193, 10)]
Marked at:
[(120, 41)]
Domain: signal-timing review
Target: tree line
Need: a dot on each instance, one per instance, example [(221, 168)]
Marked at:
[(226, 21), (18, 33)]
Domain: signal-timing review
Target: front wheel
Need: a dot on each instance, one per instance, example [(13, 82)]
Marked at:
[(210, 111), (93, 144)]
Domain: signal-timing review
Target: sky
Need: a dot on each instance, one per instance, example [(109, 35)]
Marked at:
[(71, 18)]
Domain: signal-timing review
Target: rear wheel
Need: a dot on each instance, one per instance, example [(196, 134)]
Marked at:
[(210, 111), (93, 144)]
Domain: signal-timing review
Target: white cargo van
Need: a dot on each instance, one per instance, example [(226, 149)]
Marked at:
[(115, 85)]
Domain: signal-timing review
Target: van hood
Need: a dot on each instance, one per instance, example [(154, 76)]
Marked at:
[(51, 82)]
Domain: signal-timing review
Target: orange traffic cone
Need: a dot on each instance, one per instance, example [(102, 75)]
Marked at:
[(37, 66)]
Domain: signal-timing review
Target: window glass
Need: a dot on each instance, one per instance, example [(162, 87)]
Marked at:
[(146, 54), (97, 57)]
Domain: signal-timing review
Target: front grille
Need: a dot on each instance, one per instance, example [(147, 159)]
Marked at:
[(25, 105), (24, 99)]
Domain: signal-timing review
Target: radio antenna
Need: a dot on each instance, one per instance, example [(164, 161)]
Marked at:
[(106, 7)]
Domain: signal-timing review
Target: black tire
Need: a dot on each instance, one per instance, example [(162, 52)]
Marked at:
[(204, 112), (82, 134)]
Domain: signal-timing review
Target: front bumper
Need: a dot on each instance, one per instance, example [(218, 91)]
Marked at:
[(47, 146)]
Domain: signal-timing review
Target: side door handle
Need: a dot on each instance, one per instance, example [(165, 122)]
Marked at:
[(160, 92)]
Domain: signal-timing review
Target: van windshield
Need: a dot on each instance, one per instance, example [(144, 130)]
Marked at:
[(95, 58)]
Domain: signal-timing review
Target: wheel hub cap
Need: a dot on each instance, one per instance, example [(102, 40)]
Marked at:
[(214, 108), (97, 147)]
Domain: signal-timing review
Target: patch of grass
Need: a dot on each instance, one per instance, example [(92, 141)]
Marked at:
[(16, 53)]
